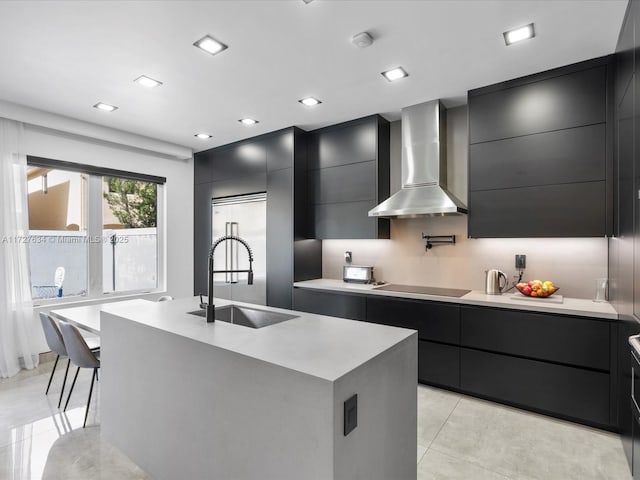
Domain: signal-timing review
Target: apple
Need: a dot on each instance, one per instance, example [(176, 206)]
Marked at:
[(527, 290)]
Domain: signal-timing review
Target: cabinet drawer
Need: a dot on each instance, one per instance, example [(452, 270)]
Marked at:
[(569, 210), (569, 340), (565, 101), (438, 364), (566, 391), (327, 303), (564, 156), (434, 321)]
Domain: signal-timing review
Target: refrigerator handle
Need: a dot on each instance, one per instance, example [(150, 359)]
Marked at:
[(234, 252), (227, 252)]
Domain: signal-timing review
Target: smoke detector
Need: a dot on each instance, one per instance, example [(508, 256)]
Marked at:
[(362, 40)]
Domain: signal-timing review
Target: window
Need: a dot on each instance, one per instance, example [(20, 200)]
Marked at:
[(57, 232), (92, 231), (130, 249)]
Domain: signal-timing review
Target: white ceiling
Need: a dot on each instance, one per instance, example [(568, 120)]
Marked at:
[(64, 56)]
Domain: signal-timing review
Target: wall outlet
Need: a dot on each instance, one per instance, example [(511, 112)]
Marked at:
[(521, 262), (350, 414)]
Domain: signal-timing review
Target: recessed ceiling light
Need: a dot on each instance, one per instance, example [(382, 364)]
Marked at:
[(105, 107), (210, 45), (202, 136), (147, 81), (395, 74), (307, 1), (248, 121), (309, 101), (519, 34)]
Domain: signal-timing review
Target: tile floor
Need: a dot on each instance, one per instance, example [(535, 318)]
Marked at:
[(459, 437)]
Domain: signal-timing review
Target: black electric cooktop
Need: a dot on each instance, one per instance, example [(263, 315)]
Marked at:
[(444, 292)]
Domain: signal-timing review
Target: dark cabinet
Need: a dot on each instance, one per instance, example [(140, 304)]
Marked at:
[(438, 326), (439, 364), (558, 364), (539, 103), (541, 154), (279, 237), (348, 176), (561, 365), (434, 321), (275, 163), (576, 393), (568, 340), (334, 304), (624, 256)]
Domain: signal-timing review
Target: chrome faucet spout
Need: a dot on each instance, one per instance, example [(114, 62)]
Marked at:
[(210, 308)]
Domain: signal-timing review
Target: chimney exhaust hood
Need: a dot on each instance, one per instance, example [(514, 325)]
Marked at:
[(424, 167)]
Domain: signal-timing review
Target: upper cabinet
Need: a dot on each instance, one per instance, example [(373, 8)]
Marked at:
[(540, 154), (348, 176)]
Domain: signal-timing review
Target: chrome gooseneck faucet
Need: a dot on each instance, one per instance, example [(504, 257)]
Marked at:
[(209, 307)]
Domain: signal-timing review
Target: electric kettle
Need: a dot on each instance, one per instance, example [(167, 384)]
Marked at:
[(492, 283)]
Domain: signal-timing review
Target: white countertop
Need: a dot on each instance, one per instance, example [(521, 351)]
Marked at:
[(569, 306), (325, 347)]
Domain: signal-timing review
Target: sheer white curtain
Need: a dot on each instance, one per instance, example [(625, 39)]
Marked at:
[(17, 326)]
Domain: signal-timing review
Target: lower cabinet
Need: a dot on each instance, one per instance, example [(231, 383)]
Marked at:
[(438, 364), (334, 304), (561, 365), (568, 391)]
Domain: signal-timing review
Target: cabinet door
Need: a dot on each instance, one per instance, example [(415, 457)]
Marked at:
[(238, 160), (569, 210), (329, 303), (563, 156), (346, 183), (568, 391), (344, 144), (564, 101), (345, 220), (434, 321), (562, 339), (438, 364), (202, 196), (279, 238), (279, 150)]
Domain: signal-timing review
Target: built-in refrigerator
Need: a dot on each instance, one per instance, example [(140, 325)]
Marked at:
[(244, 216)]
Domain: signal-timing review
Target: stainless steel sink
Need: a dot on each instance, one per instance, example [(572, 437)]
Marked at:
[(247, 316)]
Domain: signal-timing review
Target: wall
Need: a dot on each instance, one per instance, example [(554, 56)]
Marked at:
[(178, 194), (572, 263)]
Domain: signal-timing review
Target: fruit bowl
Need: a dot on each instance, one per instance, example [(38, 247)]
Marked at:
[(537, 288)]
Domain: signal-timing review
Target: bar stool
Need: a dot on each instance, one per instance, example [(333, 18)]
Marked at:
[(56, 344), (82, 357)]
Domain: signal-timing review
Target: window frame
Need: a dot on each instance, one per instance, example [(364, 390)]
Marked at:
[(95, 177)]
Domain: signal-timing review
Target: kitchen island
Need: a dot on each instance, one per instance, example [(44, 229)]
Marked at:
[(187, 399)]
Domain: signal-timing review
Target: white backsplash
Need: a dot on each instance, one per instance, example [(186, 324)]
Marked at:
[(573, 264)]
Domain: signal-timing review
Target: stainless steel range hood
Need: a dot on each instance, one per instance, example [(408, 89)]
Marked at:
[(424, 167)]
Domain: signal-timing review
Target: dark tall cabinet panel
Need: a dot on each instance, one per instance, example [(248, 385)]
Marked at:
[(541, 154), (348, 176), (624, 256), (275, 163)]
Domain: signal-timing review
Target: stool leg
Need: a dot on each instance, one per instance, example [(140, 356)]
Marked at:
[(66, 372), (52, 372), (71, 390), (86, 413)]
